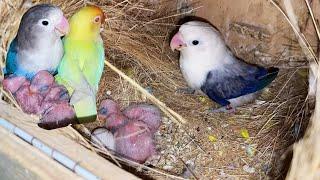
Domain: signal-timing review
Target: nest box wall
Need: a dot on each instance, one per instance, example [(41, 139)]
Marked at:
[(256, 31)]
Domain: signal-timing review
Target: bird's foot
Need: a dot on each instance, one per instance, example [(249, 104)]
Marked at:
[(185, 91), (225, 109)]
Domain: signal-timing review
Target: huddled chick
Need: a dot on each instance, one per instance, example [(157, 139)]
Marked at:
[(132, 129)]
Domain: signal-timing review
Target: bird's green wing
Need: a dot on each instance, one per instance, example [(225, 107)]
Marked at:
[(80, 71), (93, 66)]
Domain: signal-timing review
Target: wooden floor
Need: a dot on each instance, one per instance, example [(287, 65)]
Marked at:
[(28, 162), (19, 160)]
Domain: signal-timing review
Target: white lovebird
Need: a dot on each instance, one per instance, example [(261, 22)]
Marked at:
[(208, 65)]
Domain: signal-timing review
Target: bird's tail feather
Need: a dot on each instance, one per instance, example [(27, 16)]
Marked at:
[(84, 106), (269, 77)]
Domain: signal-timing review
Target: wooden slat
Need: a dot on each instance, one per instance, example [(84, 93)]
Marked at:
[(54, 138), (19, 160)]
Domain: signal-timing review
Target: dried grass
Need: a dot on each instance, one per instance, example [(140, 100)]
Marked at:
[(136, 38), (305, 162)]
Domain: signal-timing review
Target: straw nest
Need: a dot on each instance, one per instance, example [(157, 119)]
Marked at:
[(136, 36)]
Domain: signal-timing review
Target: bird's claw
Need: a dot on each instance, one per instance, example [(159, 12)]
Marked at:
[(185, 91)]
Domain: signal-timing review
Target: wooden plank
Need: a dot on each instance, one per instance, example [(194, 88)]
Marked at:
[(19, 160), (54, 138)]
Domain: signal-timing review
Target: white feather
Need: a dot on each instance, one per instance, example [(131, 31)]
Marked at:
[(235, 102), (47, 58)]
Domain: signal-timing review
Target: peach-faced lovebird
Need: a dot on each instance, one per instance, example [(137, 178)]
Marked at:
[(208, 65), (81, 67), (37, 45)]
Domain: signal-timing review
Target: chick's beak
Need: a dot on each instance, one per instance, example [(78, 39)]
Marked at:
[(63, 27), (177, 42)]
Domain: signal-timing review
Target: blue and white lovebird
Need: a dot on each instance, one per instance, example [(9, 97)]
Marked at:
[(208, 65), (37, 45)]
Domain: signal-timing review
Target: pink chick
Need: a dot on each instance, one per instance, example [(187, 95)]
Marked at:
[(30, 102), (106, 108), (134, 141), (57, 93), (109, 111), (57, 116), (115, 121), (13, 83), (149, 114), (41, 82)]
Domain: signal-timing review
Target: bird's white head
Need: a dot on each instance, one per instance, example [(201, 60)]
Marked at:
[(196, 37), (202, 49)]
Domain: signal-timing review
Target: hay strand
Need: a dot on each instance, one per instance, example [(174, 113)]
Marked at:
[(136, 39), (313, 18), (301, 38), (177, 118), (306, 160)]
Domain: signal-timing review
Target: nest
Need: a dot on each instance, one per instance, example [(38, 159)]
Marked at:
[(136, 36)]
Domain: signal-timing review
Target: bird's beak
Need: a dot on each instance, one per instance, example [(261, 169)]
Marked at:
[(177, 42), (103, 21), (103, 18), (63, 27)]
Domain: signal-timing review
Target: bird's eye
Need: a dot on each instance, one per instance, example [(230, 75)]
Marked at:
[(45, 22), (97, 19), (195, 42)]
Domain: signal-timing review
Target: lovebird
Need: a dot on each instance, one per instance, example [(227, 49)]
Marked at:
[(37, 45), (209, 66), (82, 65)]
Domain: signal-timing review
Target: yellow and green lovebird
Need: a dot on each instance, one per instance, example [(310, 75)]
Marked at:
[(82, 65)]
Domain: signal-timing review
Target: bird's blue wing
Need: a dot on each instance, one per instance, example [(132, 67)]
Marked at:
[(236, 81), (11, 60), (12, 66)]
